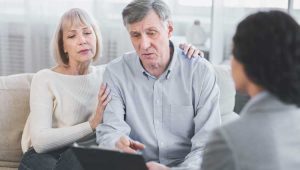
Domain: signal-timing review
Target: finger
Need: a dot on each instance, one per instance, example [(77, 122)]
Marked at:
[(181, 45), (137, 145), (128, 150), (105, 95), (102, 89), (124, 145), (186, 48), (191, 50), (196, 53), (108, 99), (102, 105), (201, 53), (103, 86)]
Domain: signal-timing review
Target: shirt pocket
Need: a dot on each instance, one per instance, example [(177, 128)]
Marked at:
[(181, 120)]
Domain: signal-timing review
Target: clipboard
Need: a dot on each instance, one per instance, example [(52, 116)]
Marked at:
[(96, 158)]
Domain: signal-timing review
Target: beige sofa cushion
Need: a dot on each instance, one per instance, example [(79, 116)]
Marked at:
[(14, 99), (227, 92)]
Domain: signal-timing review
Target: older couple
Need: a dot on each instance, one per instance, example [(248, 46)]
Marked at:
[(162, 103)]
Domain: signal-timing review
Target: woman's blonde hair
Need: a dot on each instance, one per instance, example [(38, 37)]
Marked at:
[(69, 18)]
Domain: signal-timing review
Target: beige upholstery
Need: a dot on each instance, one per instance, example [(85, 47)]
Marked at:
[(227, 92), (14, 99)]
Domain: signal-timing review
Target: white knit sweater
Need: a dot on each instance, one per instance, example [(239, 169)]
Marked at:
[(60, 107)]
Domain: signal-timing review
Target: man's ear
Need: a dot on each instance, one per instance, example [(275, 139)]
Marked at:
[(170, 28)]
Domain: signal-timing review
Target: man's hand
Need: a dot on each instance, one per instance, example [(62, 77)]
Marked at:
[(156, 166), (130, 146), (190, 50)]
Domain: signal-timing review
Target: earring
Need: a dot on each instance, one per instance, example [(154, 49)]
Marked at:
[(67, 55)]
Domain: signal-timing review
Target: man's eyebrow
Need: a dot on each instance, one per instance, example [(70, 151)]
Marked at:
[(133, 32), (151, 28)]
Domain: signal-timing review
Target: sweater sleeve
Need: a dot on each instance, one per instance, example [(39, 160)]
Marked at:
[(44, 137)]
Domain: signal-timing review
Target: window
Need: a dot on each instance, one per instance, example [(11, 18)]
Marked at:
[(296, 4), (197, 3), (256, 3), (12, 7)]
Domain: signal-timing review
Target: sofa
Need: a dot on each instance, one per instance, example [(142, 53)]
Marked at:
[(14, 99)]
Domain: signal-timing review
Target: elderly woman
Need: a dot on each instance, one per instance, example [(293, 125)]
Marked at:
[(65, 105), (266, 65)]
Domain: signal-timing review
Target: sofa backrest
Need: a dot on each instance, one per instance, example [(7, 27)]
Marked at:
[(227, 92), (14, 99)]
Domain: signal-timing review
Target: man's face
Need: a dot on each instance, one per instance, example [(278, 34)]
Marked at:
[(150, 39)]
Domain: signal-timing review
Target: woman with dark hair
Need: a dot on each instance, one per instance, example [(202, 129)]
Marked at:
[(266, 65)]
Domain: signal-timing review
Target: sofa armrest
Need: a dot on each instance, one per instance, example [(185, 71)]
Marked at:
[(14, 98)]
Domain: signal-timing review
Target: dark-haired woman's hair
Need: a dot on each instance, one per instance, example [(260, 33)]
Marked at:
[(267, 44)]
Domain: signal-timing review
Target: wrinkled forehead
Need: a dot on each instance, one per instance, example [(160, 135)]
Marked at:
[(75, 20)]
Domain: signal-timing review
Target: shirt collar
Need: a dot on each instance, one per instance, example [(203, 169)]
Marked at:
[(169, 69), (173, 62)]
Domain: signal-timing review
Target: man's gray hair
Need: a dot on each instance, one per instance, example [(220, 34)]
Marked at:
[(136, 10)]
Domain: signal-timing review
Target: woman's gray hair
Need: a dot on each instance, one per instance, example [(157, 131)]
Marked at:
[(136, 10), (69, 18)]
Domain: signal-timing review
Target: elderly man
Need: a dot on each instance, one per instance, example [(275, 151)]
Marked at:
[(163, 103)]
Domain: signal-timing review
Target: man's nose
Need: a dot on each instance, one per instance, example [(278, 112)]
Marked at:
[(145, 42)]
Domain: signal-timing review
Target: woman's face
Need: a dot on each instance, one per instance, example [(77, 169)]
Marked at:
[(238, 75), (79, 42)]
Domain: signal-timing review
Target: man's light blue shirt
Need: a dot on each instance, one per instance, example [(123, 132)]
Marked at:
[(172, 115)]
